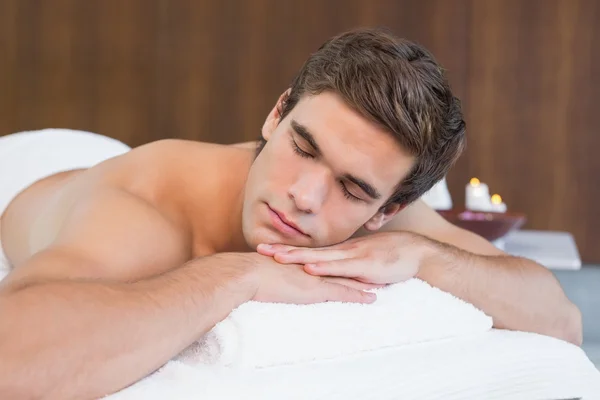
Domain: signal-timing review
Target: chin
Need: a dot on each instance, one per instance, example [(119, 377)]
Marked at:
[(256, 236), (252, 240), (267, 236)]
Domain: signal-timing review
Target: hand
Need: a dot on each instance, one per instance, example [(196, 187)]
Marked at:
[(380, 258), (278, 283)]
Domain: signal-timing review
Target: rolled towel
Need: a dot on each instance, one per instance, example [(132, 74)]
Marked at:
[(258, 335)]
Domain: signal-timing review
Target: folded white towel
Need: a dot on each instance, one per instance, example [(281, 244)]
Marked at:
[(269, 334)]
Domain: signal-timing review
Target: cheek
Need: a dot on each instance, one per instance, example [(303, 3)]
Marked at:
[(267, 167), (280, 163), (340, 221)]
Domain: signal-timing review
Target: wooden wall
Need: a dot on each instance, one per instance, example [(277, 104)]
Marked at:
[(139, 70)]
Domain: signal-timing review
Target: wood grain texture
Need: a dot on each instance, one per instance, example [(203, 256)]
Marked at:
[(140, 70), (532, 85)]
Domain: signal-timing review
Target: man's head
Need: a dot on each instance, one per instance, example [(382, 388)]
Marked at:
[(368, 125)]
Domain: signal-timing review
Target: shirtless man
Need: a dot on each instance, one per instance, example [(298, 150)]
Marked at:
[(119, 267)]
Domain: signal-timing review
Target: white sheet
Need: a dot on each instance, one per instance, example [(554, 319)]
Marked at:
[(497, 365)]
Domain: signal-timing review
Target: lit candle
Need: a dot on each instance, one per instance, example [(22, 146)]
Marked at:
[(497, 204), (477, 196)]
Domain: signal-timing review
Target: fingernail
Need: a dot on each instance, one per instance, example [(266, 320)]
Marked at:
[(264, 246), (311, 265)]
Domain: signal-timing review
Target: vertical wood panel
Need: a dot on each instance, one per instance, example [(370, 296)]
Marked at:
[(532, 137), (141, 70), (8, 52)]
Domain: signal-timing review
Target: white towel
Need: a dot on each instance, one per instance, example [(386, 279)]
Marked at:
[(4, 264), (26, 157), (259, 335)]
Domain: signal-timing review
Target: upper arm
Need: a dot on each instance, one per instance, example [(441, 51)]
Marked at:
[(422, 219), (109, 234)]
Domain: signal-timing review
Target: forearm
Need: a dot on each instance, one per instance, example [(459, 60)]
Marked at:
[(85, 339), (518, 294)]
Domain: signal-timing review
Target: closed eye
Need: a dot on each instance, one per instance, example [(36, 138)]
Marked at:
[(347, 193), (299, 151)]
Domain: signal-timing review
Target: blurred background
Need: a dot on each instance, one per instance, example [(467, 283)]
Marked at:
[(140, 70), (527, 72)]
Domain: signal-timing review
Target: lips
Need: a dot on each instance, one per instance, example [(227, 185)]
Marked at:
[(285, 222)]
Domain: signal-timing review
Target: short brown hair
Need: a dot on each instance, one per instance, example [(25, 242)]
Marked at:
[(399, 86)]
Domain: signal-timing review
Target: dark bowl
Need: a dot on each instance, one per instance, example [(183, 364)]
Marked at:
[(490, 225)]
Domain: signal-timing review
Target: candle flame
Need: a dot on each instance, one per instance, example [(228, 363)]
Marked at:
[(496, 199), (474, 182)]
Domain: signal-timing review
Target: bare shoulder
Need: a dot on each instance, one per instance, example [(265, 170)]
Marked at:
[(252, 145), (202, 168), (137, 216), (111, 235), (193, 184), (179, 155), (177, 147)]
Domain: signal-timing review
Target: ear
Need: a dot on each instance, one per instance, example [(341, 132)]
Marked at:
[(383, 216), (274, 116)]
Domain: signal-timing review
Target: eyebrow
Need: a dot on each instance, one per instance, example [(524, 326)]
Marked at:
[(302, 131), (367, 188), (306, 135)]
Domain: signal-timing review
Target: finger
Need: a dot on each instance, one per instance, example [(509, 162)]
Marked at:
[(353, 283), (341, 268), (270, 249), (345, 294), (311, 256)]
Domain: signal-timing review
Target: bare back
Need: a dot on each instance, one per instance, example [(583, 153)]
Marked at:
[(132, 216)]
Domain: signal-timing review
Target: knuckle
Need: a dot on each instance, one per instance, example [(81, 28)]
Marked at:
[(352, 246), (359, 295), (354, 252), (333, 291), (349, 292), (368, 252)]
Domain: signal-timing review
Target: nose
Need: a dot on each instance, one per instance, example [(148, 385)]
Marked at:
[(309, 191)]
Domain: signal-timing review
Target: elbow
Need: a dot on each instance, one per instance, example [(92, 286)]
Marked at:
[(15, 378), (12, 385), (575, 328), (571, 325), (9, 390), (15, 382)]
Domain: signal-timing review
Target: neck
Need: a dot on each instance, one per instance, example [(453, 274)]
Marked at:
[(228, 235), (235, 241)]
